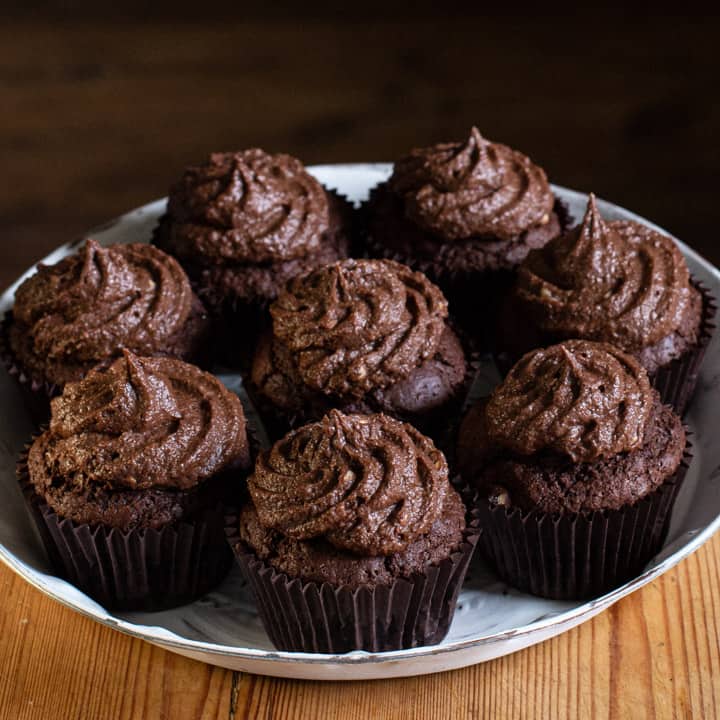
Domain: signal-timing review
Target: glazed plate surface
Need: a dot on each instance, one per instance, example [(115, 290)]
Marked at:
[(223, 628)]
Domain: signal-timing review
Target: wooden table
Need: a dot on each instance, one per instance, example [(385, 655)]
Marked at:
[(652, 655), (99, 116)]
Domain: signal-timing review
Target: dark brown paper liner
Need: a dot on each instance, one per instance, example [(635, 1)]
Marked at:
[(141, 569), (36, 392), (302, 616), (676, 381), (580, 555)]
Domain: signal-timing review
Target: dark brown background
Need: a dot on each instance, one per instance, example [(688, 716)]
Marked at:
[(99, 112)]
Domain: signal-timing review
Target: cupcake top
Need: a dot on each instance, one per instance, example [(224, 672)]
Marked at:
[(86, 308), (618, 282), (580, 399), (247, 207), (357, 325), (143, 424), (367, 484), (474, 188), (574, 427)]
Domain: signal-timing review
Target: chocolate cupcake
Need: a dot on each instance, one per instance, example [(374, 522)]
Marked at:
[(363, 336), (619, 282), (127, 483), (466, 214), (87, 308), (242, 225), (354, 539), (578, 464)]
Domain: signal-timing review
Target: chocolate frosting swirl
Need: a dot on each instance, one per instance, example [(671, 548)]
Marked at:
[(142, 423), (618, 282), (581, 399), (366, 483), (357, 325), (247, 207), (90, 305), (475, 188)]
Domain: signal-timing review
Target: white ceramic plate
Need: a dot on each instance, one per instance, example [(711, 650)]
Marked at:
[(492, 620)]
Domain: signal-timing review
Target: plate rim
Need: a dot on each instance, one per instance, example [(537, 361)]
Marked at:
[(171, 640)]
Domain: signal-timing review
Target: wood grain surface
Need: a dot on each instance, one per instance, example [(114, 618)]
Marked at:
[(655, 654), (101, 109)]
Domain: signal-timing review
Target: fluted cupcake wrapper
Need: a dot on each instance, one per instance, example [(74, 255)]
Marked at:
[(676, 381), (303, 616), (140, 569), (580, 555)]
